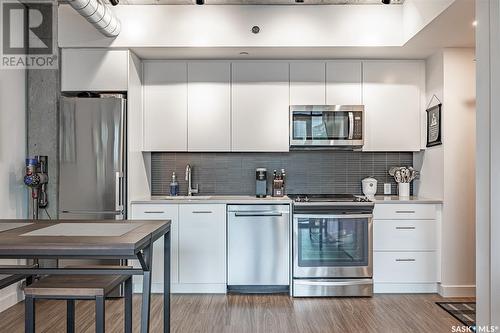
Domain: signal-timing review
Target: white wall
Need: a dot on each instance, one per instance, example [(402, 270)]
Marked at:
[(138, 162), (230, 26), (488, 162), (13, 195), (459, 130), (431, 161), (418, 13), (448, 171)]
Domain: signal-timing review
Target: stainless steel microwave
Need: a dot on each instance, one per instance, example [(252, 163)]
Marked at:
[(326, 126)]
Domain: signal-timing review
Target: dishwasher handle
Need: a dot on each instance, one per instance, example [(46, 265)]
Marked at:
[(257, 214)]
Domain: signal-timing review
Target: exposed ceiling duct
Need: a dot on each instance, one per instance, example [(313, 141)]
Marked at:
[(99, 15), (259, 2)]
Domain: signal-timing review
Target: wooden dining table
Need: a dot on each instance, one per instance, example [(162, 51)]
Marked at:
[(90, 239)]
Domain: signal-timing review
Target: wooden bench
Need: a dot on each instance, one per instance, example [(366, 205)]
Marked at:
[(7, 280), (78, 287)]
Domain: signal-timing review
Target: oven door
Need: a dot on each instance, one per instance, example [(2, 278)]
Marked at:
[(332, 246)]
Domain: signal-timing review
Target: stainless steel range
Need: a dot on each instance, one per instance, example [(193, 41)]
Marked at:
[(332, 245)]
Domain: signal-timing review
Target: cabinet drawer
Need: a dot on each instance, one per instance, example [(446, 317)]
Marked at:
[(203, 211), (404, 235), (405, 267), (152, 211), (406, 212)]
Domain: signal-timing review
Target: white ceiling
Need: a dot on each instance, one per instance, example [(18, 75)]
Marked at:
[(256, 2), (453, 28)]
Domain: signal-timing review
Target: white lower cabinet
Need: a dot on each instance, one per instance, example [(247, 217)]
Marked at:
[(202, 247), (198, 247), (404, 267), (405, 248), (159, 212)]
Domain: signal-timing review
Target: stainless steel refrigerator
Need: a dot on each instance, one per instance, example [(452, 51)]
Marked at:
[(92, 167), (92, 163)]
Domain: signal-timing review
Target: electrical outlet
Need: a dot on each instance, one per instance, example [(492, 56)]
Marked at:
[(387, 189)]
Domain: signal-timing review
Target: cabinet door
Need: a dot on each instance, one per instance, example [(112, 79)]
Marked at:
[(94, 70), (343, 83), (307, 83), (260, 104), (392, 97), (165, 106), (209, 106), (160, 212), (202, 240)]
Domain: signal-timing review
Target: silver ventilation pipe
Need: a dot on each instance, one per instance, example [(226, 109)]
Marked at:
[(99, 15)]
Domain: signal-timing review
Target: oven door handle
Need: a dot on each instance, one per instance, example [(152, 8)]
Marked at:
[(334, 216), (333, 283)]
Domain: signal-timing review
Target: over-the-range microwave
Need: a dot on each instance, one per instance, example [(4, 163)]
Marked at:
[(326, 126)]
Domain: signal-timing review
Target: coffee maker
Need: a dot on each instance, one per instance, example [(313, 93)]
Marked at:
[(261, 182)]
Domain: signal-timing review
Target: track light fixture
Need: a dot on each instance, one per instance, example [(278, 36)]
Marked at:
[(386, 2), (200, 2)]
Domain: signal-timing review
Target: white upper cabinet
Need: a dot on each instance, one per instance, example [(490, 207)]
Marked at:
[(260, 104), (94, 70), (343, 82), (209, 106), (165, 106), (307, 83), (392, 95)]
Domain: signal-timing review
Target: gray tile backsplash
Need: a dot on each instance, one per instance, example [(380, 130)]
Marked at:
[(307, 171)]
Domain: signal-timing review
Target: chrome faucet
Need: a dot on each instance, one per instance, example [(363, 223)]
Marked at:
[(191, 190)]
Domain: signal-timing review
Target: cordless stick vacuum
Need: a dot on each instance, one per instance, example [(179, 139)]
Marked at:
[(36, 177)]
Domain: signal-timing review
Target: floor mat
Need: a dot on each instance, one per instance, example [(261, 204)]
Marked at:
[(465, 312)]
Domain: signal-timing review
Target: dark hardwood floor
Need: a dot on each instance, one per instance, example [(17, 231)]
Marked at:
[(253, 313)]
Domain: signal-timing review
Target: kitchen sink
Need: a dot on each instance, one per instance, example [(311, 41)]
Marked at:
[(181, 197)]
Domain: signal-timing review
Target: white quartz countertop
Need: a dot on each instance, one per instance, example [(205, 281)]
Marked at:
[(248, 199), (394, 199), (214, 199)]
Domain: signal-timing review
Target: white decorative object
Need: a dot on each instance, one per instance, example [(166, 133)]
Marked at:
[(369, 187), (404, 190)]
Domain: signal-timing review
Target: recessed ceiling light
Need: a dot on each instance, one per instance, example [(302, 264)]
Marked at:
[(474, 24)]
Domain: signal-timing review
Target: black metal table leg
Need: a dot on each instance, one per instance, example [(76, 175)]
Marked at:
[(29, 315), (128, 306), (146, 262), (166, 283), (70, 316), (100, 314)]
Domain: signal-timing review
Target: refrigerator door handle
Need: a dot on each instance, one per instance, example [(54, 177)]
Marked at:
[(118, 191)]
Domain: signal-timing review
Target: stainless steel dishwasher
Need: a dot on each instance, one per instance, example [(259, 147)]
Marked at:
[(258, 248)]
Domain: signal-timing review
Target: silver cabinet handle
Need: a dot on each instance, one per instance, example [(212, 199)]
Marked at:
[(405, 228), (154, 212), (202, 212), (405, 260), (405, 212), (263, 214)]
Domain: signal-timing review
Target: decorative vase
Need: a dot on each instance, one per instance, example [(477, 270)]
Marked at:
[(404, 190)]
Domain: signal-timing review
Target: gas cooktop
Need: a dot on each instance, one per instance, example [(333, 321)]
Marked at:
[(327, 198)]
